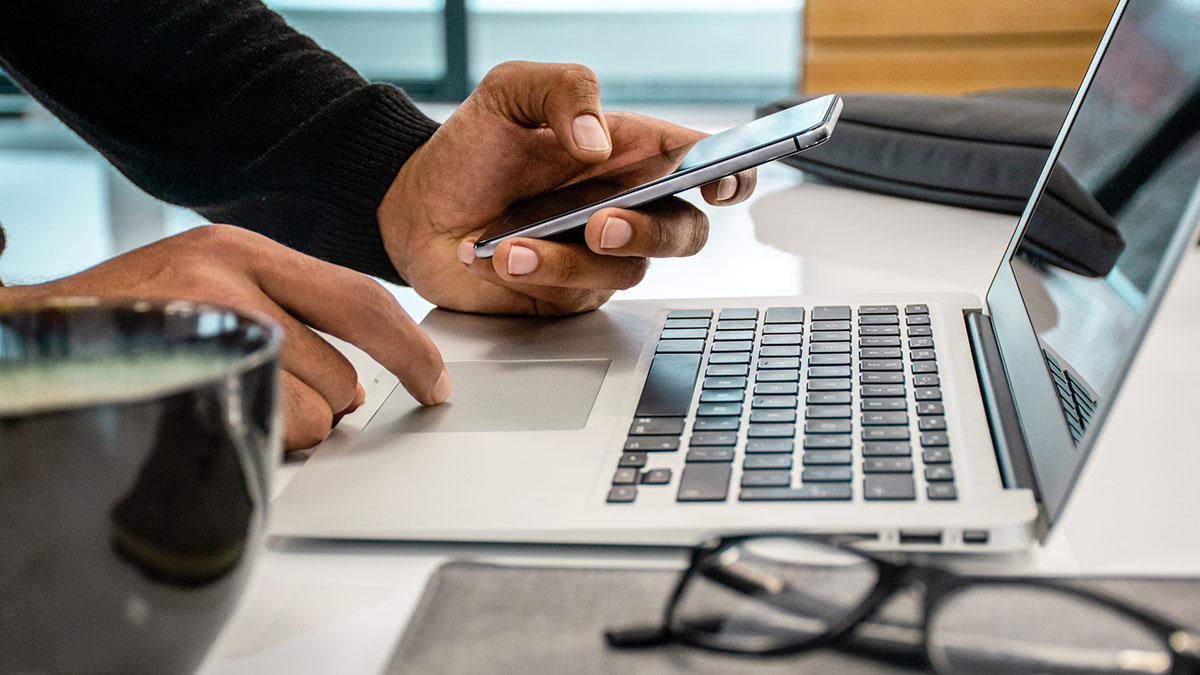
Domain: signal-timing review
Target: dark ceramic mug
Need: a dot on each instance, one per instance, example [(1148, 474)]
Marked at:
[(137, 440)]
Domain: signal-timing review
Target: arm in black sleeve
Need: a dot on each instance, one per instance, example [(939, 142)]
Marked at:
[(220, 106)]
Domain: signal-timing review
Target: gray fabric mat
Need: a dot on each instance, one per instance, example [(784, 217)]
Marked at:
[(481, 618)]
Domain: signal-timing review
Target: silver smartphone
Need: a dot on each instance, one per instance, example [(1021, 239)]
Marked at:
[(562, 213)]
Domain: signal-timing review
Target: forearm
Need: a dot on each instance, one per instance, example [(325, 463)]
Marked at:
[(219, 106)]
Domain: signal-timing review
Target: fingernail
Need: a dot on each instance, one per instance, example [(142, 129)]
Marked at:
[(726, 187), (589, 133), (615, 233), (521, 260), (441, 390), (466, 252)]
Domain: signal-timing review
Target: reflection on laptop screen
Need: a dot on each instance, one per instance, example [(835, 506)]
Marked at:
[(1113, 203)]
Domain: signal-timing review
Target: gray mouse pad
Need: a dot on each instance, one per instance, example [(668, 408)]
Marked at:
[(481, 618)]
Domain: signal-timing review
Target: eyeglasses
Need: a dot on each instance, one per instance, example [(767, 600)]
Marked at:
[(786, 593)]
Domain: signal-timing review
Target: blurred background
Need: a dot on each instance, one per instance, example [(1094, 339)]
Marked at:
[(701, 63)]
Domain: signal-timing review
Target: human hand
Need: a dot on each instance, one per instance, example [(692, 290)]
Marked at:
[(529, 128), (240, 269)]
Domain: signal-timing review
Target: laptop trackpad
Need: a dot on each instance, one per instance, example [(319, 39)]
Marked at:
[(535, 395)]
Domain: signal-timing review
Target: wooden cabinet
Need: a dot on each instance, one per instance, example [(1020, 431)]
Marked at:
[(948, 46)]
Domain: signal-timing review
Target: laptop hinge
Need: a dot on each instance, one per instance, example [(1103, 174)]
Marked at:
[(1012, 454)]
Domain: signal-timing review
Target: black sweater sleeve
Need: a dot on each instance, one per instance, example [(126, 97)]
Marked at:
[(220, 106)]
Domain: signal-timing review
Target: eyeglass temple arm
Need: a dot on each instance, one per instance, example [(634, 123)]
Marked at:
[(637, 636)]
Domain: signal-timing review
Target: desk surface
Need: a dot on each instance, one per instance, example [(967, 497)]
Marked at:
[(316, 607)]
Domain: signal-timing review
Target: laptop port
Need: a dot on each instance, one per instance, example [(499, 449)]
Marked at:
[(925, 537), (975, 536)]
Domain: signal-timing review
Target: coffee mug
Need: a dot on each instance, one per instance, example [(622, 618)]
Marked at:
[(137, 440)]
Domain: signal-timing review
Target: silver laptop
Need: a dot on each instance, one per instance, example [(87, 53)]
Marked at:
[(933, 421)]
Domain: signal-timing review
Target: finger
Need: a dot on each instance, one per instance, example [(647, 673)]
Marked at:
[(312, 360), (306, 417), (350, 306), (359, 398), (548, 263), (664, 229), (730, 189), (516, 296), (565, 96)]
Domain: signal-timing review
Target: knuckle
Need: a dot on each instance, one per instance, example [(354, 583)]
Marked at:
[(579, 78), (637, 271), (568, 269), (696, 234)]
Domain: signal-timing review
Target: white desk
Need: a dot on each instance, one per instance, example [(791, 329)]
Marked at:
[(341, 608)]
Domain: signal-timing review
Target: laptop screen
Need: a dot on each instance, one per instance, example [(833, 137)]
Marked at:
[(1099, 240)]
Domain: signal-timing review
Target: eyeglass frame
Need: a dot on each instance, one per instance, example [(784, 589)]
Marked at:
[(937, 584)]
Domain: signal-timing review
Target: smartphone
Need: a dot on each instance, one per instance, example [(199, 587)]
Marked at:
[(562, 213)]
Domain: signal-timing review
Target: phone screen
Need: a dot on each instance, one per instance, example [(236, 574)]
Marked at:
[(587, 196)]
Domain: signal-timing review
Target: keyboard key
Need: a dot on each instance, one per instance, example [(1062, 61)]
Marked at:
[(766, 479), (767, 445), (704, 482), (732, 346), (784, 315), (783, 329), (828, 442), (829, 360), (814, 492), (768, 462), (928, 394), (686, 324), (919, 331), (918, 320), (652, 443), (881, 390), (881, 364), (690, 314), (885, 434), (656, 426), (712, 438), (878, 330), (825, 412), (932, 424), (779, 351), (724, 383), (773, 402), (622, 494), (828, 398), (731, 370), (922, 355), (879, 341), (784, 363), (731, 335), (718, 409), (829, 348), (769, 388), (939, 472), (919, 367), (747, 313), (930, 408), (829, 385), (878, 320), (734, 357), (884, 418), (625, 476), (876, 309), (769, 416), (827, 427), (889, 486), (669, 385), (935, 456), (830, 336), (722, 396), (737, 325), (873, 404), (635, 460), (826, 458), (775, 340), (881, 378), (934, 439), (827, 474), (771, 431), (777, 376), (879, 353), (887, 465), (887, 449), (920, 343), (684, 334), (656, 477), (709, 455), (926, 380), (941, 491), (916, 309), (717, 424), (831, 313), (829, 325), (828, 371), (680, 346)]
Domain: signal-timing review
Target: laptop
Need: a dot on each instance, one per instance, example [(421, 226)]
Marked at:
[(936, 421)]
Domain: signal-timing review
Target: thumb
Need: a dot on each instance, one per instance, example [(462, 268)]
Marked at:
[(562, 95)]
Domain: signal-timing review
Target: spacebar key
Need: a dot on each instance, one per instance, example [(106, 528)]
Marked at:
[(812, 492), (669, 385)]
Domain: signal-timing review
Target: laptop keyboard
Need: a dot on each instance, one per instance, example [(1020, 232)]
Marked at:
[(839, 404)]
